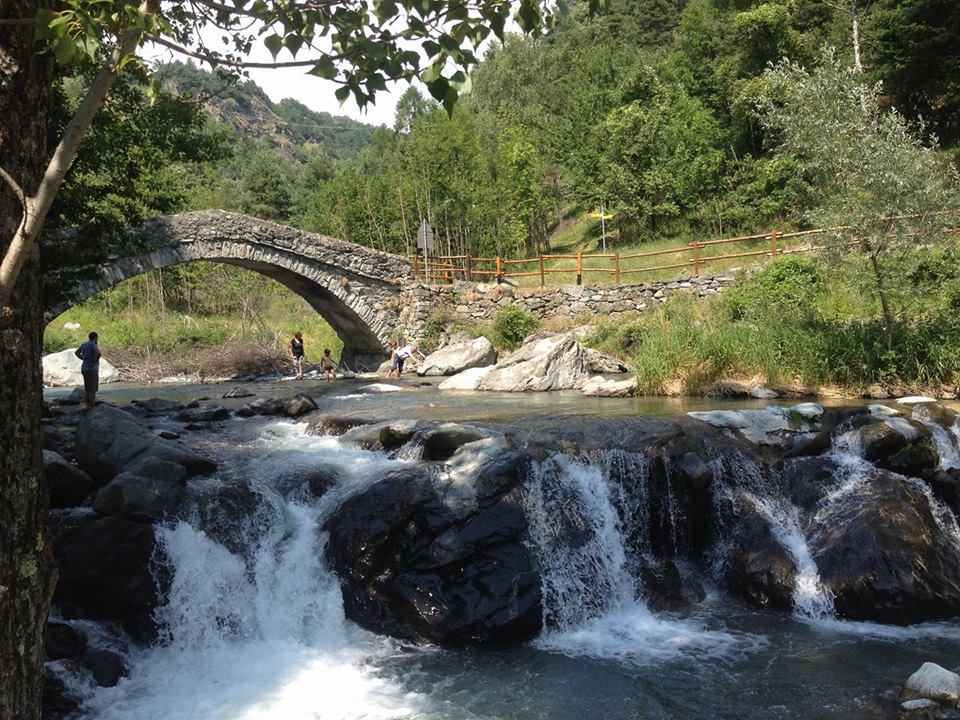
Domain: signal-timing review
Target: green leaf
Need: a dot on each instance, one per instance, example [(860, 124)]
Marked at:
[(325, 68), (342, 93), (65, 49), (274, 44), (439, 88), (293, 43), (385, 10), (432, 73), (430, 48)]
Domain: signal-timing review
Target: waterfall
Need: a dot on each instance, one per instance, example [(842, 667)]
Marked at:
[(266, 639), (593, 606), (944, 441), (742, 479)]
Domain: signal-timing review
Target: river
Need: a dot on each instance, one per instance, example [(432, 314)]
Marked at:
[(262, 635)]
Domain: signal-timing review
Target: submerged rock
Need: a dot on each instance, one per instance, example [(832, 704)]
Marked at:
[(299, 404), (62, 641)]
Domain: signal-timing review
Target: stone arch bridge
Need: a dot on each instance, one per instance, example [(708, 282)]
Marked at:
[(356, 289), (367, 296)]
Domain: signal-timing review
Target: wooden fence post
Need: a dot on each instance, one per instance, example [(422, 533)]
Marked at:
[(696, 257), (416, 268), (773, 243), (468, 272), (543, 279), (616, 267), (499, 270), (579, 268)]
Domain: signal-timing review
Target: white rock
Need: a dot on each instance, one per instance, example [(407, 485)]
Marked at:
[(883, 411), (915, 400), (902, 426), (933, 682), (459, 356), (601, 387), (921, 706), (63, 368), (379, 388), (551, 363), (71, 326), (729, 419), (467, 380), (808, 411), (763, 393)]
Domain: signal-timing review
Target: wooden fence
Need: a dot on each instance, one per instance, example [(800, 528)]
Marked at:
[(621, 267)]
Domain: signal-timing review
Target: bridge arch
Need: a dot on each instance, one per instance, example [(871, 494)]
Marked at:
[(354, 288)]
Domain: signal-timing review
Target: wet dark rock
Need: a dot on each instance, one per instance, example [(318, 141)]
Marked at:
[(75, 397), (59, 702), (109, 439), (666, 588), (916, 459), (207, 426), (262, 406), (58, 439), (105, 571), (238, 392), (304, 484), (883, 439), (384, 435), (442, 441), (805, 444), (694, 470), (320, 424), (808, 480), (299, 404), (158, 406), (146, 490), (62, 641), (67, 485), (761, 570), (204, 414), (238, 514), (416, 566), (106, 667), (884, 556), (946, 486)]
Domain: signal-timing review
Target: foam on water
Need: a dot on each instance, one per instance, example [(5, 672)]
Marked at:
[(266, 640)]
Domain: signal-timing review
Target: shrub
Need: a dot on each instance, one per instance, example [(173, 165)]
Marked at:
[(787, 287), (511, 325)]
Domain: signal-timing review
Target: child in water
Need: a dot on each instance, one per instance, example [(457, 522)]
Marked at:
[(329, 365), (297, 350)]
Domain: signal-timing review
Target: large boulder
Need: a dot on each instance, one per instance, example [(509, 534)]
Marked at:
[(108, 571), (761, 570), (466, 380), (884, 555), (459, 356), (67, 485), (146, 490), (551, 363), (601, 363), (108, 439), (421, 559), (933, 682), (599, 386), (63, 368)]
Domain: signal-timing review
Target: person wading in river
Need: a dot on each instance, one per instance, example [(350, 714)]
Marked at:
[(402, 355), (329, 366), (89, 353), (296, 349)]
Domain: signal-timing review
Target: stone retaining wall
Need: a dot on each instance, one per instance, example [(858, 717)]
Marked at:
[(479, 302)]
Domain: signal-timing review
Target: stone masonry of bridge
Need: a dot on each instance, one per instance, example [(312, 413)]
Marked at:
[(369, 297)]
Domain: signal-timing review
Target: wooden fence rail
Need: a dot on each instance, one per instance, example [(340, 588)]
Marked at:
[(447, 268)]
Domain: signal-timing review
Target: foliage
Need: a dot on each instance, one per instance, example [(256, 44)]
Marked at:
[(884, 188), (511, 325), (787, 287)]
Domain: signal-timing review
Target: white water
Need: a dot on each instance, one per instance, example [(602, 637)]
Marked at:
[(742, 480), (267, 643), (946, 442), (592, 604)]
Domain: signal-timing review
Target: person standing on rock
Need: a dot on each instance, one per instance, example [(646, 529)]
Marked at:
[(89, 354), (296, 349)]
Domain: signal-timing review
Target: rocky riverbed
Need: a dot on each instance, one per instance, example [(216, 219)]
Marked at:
[(543, 529)]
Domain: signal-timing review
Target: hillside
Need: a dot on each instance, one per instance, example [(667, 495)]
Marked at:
[(286, 126)]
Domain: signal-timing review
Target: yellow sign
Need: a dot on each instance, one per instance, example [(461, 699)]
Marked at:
[(601, 215)]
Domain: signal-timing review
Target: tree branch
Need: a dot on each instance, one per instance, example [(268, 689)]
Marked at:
[(15, 186), (39, 205), (220, 60)]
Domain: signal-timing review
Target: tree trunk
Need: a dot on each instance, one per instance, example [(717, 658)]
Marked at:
[(884, 302), (26, 561)]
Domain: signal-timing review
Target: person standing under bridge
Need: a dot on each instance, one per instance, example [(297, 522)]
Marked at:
[(89, 354), (296, 349)]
